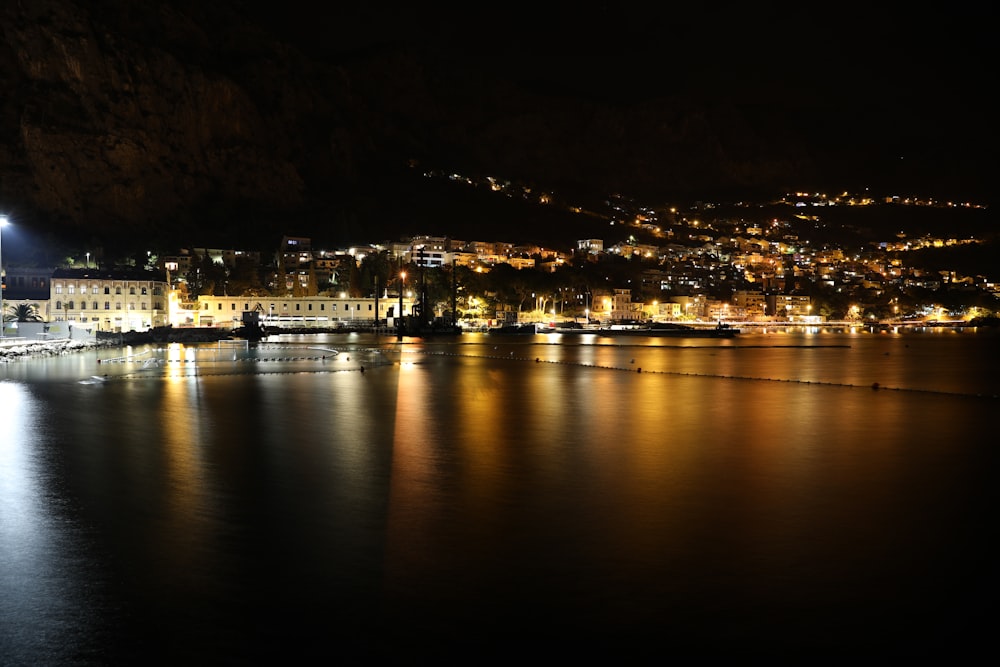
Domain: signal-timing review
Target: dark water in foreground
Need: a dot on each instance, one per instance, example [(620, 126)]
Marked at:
[(484, 498)]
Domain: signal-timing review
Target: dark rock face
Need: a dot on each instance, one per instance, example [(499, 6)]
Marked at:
[(187, 119), (116, 117)]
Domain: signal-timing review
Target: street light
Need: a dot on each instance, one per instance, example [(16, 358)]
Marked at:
[(3, 223), (399, 326)]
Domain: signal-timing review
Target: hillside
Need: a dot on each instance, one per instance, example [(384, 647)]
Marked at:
[(198, 122)]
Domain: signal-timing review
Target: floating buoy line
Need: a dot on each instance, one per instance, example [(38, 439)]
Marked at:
[(381, 358)]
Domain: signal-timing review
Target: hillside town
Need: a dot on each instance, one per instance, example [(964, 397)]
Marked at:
[(664, 266)]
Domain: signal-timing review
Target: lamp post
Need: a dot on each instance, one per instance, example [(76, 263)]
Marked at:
[(399, 325), (3, 223)]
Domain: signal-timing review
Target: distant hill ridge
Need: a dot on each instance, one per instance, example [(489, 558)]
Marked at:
[(174, 119)]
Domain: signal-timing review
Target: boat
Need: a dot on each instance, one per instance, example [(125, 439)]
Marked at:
[(654, 329), (721, 330), (512, 330)]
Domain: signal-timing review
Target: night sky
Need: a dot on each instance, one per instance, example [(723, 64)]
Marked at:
[(873, 88), (611, 97)]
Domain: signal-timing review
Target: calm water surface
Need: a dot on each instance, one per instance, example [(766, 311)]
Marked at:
[(481, 497)]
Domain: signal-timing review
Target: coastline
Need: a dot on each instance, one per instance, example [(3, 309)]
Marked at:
[(15, 350)]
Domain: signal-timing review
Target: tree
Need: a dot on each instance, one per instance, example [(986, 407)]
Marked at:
[(312, 282), (355, 283), (377, 269), (22, 312), (244, 279)]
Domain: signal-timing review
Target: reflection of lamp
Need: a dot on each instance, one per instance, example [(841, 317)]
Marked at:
[(3, 223)]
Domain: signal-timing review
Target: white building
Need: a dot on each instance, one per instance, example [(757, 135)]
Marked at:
[(316, 311), (109, 300)]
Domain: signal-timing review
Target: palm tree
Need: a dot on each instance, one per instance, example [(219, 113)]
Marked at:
[(23, 312)]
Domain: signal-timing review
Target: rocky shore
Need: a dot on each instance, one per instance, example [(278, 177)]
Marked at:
[(11, 351)]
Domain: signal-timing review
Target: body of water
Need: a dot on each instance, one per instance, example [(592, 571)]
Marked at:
[(780, 495)]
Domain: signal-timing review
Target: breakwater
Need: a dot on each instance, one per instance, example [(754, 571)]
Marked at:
[(14, 350)]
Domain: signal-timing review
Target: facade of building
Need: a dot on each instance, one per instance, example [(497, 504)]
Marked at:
[(315, 311), (109, 300), (590, 246), (749, 305), (26, 283), (789, 306)]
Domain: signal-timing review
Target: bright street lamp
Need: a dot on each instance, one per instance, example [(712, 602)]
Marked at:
[(3, 223), (399, 326)]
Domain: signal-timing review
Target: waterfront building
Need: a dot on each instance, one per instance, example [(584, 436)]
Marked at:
[(751, 304), (307, 311), (622, 307), (109, 299), (789, 306), (25, 286)]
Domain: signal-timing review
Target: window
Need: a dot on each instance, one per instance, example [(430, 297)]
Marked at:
[(310, 306), (107, 290), (59, 288), (118, 289), (144, 305), (107, 305), (95, 305), (93, 289), (298, 306), (118, 305), (144, 291), (233, 306), (131, 306), (69, 306), (131, 291), (220, 307), (72, 288), (58, 305)]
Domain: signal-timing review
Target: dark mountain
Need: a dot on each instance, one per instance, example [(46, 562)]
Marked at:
[(228, 123)]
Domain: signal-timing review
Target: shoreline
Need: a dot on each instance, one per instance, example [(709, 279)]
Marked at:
[(15, 350), (12, 350)]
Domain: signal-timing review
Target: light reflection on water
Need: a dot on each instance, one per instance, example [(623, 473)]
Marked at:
[(741, 496)]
